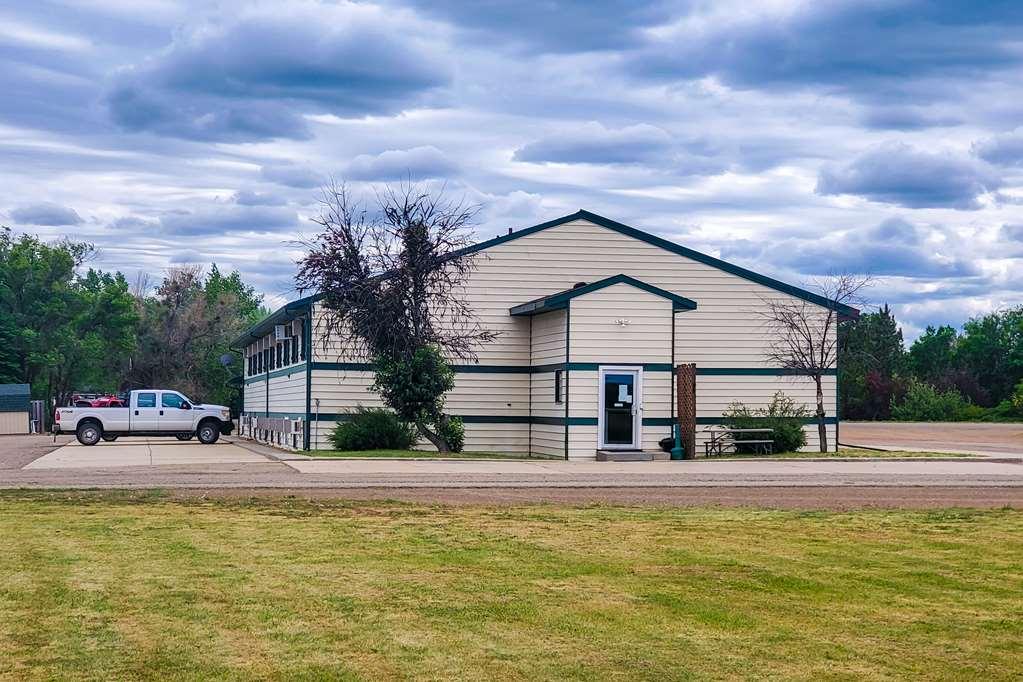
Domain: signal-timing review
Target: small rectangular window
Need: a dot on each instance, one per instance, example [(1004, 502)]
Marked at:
[(558, 395), (145, 400), (171, 400)]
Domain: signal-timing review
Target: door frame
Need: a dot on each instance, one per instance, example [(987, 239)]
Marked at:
[(637, 417)]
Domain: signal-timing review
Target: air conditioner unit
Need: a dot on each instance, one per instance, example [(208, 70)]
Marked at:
[(280, 332)]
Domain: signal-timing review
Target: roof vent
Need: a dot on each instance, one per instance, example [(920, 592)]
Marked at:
[(578, 285)]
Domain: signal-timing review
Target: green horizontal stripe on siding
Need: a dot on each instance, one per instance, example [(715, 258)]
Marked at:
[(522, 419), (576, 366), (300, 367)]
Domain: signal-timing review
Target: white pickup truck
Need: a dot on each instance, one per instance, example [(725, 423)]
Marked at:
[(150, 412)]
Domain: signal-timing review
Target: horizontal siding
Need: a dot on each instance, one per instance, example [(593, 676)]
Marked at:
[(287, 393), (548, 439), (714, 393), (255, 397), (582, 442), (13, 422), (549, 338), (594, 335)]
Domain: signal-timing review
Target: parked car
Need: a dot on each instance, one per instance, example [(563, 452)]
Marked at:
[(150, 412)]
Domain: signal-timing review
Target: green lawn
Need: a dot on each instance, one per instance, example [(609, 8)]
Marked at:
[(112, 587), (421, 454), (843, 452)]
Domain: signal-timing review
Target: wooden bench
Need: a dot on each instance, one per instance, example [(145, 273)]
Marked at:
[(720, 439)]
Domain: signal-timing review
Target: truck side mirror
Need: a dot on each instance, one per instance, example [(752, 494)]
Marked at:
[(185, 406)]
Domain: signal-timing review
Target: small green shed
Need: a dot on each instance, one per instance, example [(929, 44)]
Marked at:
[(14, 408)]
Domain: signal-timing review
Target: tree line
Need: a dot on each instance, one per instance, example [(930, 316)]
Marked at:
[(67, 328), (972, 373)]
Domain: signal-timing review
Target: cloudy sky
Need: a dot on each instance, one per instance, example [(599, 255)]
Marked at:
[(794, 138)]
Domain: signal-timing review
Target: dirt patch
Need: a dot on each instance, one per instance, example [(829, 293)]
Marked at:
[(936, 436), (810, 498), (17, 451)]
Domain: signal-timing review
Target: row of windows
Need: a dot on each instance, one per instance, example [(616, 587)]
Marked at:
[(286, 352)]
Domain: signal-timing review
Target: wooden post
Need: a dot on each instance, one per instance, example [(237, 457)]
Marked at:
[(685, 376)]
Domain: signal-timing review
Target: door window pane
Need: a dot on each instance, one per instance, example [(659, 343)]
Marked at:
[(171, 400), (619, 394), (146, 400)]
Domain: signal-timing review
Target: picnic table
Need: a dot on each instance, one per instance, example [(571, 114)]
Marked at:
[(722, 439)]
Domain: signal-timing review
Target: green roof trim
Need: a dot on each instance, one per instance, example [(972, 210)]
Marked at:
[(678, 249), (286, 313), (559, 300)]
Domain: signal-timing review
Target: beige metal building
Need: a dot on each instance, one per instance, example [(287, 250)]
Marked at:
[(14, 408), (591, 316)]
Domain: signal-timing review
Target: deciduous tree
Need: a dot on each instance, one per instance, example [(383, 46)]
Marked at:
[(391, 284)]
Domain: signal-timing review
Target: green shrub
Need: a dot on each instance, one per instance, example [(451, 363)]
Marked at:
[(783, 415), (373, 429), (924, 403), (452, 430)]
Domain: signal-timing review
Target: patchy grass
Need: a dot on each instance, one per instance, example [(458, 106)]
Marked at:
[(127, 586), (842, 452), (421, 454)]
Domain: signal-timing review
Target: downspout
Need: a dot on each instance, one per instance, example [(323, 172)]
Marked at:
[(529, 426), (307, 341), (568, 326)]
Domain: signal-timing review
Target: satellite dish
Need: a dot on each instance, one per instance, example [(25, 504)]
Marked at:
[(226, 359)]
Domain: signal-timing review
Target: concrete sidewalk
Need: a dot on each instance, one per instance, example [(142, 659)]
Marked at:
[(135, 452)]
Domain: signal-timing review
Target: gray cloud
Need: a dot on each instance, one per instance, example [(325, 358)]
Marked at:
[(247, 197), (593, 143), (896, 173), (563, 26), (1002, 150), (874, 50), (46, 213), (292, 175), (895, 247), (907, 117), (239, 78), (419, 163), (224, 219), (1013, 233)]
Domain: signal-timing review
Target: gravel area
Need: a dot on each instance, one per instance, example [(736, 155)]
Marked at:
[(955, 437), (17, 451)]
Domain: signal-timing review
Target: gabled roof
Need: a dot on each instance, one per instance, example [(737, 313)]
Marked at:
[(559, 300), (293, 309), (678, 249)]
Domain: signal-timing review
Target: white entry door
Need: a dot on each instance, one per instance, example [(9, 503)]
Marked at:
[(620, 421)]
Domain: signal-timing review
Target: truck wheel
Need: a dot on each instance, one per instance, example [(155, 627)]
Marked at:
[(208, 433), (183, 436), (109, 439), (89, 433)]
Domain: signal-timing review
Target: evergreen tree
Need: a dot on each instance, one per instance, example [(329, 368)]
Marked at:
[(872, 365)]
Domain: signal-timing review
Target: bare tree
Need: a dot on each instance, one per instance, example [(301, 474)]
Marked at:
[(804, 335), (392, 286)]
